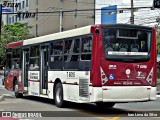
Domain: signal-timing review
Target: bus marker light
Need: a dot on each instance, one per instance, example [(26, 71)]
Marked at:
[(148, 88), (64, 82), (50, 81), (105, 88), (128, 71), (75, 83), (103, 76), (150, 77)]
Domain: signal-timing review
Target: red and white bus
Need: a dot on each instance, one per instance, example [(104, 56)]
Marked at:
[(102, 64)]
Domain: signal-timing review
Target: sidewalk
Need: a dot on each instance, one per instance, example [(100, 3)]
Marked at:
[(5, 93), (1, 97)]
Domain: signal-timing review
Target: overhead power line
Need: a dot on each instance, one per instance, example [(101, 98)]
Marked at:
[(76, 10)]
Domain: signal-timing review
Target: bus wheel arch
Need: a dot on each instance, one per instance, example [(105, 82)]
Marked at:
[(15, 88), (58, 93)]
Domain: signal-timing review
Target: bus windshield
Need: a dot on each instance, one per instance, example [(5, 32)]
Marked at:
[(126, 44)]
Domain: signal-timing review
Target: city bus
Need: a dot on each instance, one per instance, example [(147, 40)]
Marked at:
[(102, 64)]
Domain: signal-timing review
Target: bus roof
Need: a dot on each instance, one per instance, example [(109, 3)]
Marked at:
[(15, 44), (60, 35)]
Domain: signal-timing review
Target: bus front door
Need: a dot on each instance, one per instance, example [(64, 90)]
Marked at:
[(44, 70), (25, 67)]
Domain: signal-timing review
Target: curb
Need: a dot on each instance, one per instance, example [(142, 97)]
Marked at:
[(1, 98), (158, 94), (8, 96)]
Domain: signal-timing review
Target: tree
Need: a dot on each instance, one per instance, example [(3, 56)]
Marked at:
[(12, 33), (158, 33)]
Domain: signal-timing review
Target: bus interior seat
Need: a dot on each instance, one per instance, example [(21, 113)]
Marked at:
[(134, 48), (109, 47), (123, 47)]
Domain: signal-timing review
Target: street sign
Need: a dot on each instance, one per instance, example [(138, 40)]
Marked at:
[(6, 10), (156, 3)]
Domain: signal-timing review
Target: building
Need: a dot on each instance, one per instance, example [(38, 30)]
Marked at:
[(119, 11), (53, 16)]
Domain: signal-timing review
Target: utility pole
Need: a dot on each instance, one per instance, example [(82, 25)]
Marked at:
[(61, 18), (132, 12)]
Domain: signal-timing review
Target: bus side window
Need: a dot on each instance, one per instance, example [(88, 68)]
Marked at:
[(143, 46), (86, 53), (34, 58), (86, 48), (16, 54), (8, 61), (71, 58), (56, 54)]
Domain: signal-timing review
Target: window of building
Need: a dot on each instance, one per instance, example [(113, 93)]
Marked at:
[(19, 6), (13, 9), (36, 30), (12, 19), (26, 3), (23, 17), (23, 4), (16, 18), (9, 21), (36, 2), (16, 9), (36, 13), (34, 58), (19, 18)]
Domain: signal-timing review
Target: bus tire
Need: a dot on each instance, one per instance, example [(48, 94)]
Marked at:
[(17, 94), (103, 105), (58, 95)]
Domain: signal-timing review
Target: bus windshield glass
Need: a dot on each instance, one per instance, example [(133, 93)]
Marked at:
[(126, 44)]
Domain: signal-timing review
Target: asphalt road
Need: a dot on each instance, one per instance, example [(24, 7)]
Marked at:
[(47, 109)]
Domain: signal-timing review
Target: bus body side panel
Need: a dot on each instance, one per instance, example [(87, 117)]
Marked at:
[(154, 57), (95, 69), (34, 83), (9, 80), (153, 91), (72, 88)]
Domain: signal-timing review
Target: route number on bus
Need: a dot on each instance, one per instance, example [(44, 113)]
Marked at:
[(70, 74)]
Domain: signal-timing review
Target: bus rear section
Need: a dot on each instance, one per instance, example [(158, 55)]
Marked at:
[(125, 64)]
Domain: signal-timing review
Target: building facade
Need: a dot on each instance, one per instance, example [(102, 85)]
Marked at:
[(53, 16)]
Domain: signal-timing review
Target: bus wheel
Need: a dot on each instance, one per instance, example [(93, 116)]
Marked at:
[(103, 105), (58, 95), (17, 94)]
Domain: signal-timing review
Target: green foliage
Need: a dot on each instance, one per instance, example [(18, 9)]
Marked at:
[(158, 33), (12, 33)]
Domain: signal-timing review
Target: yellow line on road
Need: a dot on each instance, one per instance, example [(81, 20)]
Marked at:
[(117, 117), (102, 118)]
